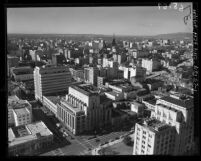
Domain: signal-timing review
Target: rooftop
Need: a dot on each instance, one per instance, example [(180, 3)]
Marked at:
[(68, 105), (186, 103), (21, 111), (154, 125), (86, 89), (15, 103), (168, 107), (151, 101), (25, 133)]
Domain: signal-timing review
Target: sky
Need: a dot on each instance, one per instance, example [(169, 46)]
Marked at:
[(137, 20)]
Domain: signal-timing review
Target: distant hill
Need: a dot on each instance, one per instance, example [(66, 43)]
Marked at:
[(178, 36)]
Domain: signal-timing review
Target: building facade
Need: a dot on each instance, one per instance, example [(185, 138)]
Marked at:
[(22, 116), (84, 109), (28, 140), (90, 75), (15, 103), (150, 64), (153, 137), (51, 79)]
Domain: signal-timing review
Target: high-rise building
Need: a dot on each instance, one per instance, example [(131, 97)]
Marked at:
[(90, 75), (57, 59), (178, 112), (134, 71), (150, 64), (51, 79), (84, 109), (153, 137)]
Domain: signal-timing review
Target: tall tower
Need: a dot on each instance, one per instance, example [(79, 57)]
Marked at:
[(113, 41)]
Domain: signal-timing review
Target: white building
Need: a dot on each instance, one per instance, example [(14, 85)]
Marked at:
[(134, 71), (15, 103), (150, 64), (28, 139), (51, 79), (22, 116), (137, 108), (84, 109), (178, 112), (153, 137)]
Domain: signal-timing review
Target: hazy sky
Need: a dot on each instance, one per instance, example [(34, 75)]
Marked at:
[(97, 20)]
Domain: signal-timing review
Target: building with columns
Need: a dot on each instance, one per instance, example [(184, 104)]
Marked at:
[(84, 109)]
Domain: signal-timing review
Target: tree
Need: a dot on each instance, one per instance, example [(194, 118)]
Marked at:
[(127, 140)]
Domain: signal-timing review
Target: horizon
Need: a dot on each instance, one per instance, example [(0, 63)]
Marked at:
[(137, 21), (98, 34)]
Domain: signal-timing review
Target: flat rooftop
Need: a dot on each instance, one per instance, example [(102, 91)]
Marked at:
[(168, 107), (186, 103), (21, 111), (15, 103), (151, 101), (86, 89), (154, 125), (26, 133)]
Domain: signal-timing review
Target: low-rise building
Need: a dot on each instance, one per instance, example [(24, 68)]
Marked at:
[(22, 116), (29, 139), (137, 108), (15, 103), (22, 73)]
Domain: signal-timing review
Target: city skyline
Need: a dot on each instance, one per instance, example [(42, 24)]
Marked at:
[(136, 21)]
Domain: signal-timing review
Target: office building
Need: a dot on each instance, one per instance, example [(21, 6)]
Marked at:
[(153, 137), (28, 140), (84, 109), (58, 59), (134, 71), (150, 64), (51, 79), (90, 75), (22, 73), (178, 112)]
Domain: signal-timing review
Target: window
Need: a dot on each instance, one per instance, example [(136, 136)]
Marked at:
[(143, 146), (149, 146), (143, 142), (144, 137), (142, 151), (150, 135), (144, 132)]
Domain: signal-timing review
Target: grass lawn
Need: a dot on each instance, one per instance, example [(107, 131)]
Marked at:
[(122, 149)]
